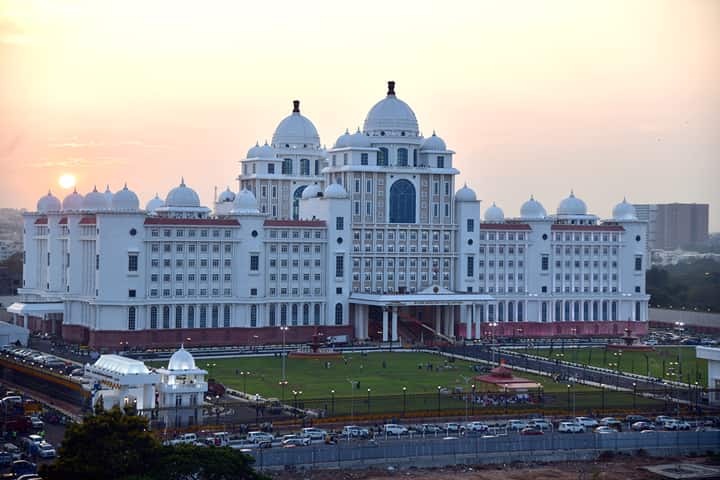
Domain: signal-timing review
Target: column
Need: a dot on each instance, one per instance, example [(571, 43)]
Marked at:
[(356, 321), (468, 321), (478, 321), (385, 325), (438, 312), (395, 324), (451, 321)]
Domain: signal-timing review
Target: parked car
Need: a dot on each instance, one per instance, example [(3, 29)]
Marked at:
[(676, 425), (394, 429), (570, 427), (531, 431), (46, 450), (541, 423), (640, 426), (257, 437), (660, 419), (355, 432), (476, 427), (636, 418), (587, 422), (612, 423), (430, 428), (186, 438), (516, 425), (296, 441), (313, 433), (453, 427), (6, 458), (13, 450), (22, 467), (605, 430)]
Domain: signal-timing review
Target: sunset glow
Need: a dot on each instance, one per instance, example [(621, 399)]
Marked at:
[(67, 181)]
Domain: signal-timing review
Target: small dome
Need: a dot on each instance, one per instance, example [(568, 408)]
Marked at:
[(572, 206), (95, 201), (532, 210), (465, 194), (182, 196), (434, 143), (108, 195), (227, 196), (154, 203), (335, 190), (296, 129), (311, 191), (391, 114), (254, 151), (359, 140), (125, 200), (343, 140), (624, 211), (266, 151), (73, 202), (494, 214), (181, 360), (245, 202), (49, 203)]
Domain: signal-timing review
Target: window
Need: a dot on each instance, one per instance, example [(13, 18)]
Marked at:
[(440, 162), (402, 202), (215, 316), (253, 315), (338, 314), (286, 167), (191, 317), (382, 157), (132, 262), (271, 170), (203, 316), (254, 263), (638, 263), (545, 261), (131, 293), (178, 316), (339, 223), (97, 261), (363, 159), (131, 318), (470, 225), (226, 316), (402, 157), (470, 266), (166, 317), (153, 317), (339, 266)]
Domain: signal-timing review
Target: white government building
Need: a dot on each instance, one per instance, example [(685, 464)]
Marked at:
[(366, 240)]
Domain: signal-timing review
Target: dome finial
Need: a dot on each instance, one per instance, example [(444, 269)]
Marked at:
[(391, 87), (572, 192), (107, 187), (49, 192), (94, 188), (182, 181), (347, 131), (296, 106), (434, 133), (532, 197)]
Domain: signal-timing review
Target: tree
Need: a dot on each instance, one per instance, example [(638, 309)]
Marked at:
[(118, 446)]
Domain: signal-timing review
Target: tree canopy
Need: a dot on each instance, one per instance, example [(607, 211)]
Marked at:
[(687, 284), (118, 446)]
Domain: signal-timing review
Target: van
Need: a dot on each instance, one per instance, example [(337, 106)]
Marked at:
[(259, 437), (394, 429), (313, 433)]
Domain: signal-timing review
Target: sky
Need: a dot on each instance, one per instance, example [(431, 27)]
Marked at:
[(610, 98)]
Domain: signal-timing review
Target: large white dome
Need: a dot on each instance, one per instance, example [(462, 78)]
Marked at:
[(245, 202), (624, 211), (391, 114), (73, 202), (532, 210), (95, 201), (572, 206), (296, 129), (434, 143), (125, 200), (227, 196), (335, 190), (182, 196), (181, 360), (465, 194), (49, 203), (494, 214), (154, 203), (311, 191)]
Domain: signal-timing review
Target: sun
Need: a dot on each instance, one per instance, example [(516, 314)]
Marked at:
[(67, 180)]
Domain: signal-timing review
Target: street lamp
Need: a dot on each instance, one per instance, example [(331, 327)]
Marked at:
[(283, 329), (244, 376), (368, 401), (634, 395), (332, 394), (472, 405), (404, 390), (568, 396), (283, 384), (295, 395), (438, 390), (492, 338)]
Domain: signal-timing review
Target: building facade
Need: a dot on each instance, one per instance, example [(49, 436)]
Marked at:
[(675, 225), (367, 240)]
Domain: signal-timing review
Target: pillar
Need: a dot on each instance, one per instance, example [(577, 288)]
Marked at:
[(395, 324), (357, 309), (468, 321), (478, 320), (385, 325), (451, 321), (438, 320)]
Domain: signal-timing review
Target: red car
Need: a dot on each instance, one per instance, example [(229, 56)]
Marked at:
[(531, 431)]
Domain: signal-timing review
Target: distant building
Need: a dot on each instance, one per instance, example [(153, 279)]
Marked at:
[(673, 225), (712, 355)]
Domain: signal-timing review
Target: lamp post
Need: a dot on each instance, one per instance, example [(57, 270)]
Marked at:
[(244, 376), (332, 394), (283, 329), (438, 390), (472, 405), (568, 396), (283, 384), (404, 390), (295, 394), (368, 401), (492, 339)]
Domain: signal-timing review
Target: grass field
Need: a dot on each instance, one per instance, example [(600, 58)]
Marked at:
[(672, 363)]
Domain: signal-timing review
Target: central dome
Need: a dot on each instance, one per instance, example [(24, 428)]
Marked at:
[(297, 130), (391, 114), (181, 360), (572, 206), (182, 196)]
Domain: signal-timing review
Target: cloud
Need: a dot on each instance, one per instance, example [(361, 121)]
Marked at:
[(11, 33), (92, 144), (73, 144), (74, 162)]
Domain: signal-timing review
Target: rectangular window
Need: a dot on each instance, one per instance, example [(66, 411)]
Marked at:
[(470, 225), (97, 261), (254, 263), (470, 266), (339, 266), (363, 159), (638, 263), (339, 223), (132, 293), (132, 262), (271, 169), (545, 261)]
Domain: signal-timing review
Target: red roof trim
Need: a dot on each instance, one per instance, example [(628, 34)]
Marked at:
[(295, 223), (41, 221), (192, 221), (63, 221), (505, 226), (87, 221), (588, 228)]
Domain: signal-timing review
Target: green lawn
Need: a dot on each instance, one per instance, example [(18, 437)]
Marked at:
[(686, 368)]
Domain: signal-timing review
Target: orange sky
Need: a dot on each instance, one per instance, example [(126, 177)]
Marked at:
[(611, 98)]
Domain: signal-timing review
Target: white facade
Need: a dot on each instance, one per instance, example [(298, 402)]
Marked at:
[(712, 355), (370, 233)]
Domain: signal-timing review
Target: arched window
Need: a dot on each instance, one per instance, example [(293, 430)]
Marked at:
[(226, 316), (191, 317), (287, 166), (402, 202), (338, 314), (153, 317), (415, 163), (501, 312), (253, 315), (215, 316), (131, 318), (271, 320), (614, 311), (203, 316), (567, 311), (294, 314), (306, 314), (558, 311), (491, 313), (402, 157), (304, 166), (317, 167), (544, 318), (178, 317), (595, 315), (283, 314), (605, 310), (166, 317), (638, 311), (317, 314), (296, 202), (511, 311), (576, 311), (586, 310), (382, 158), (520, 312)]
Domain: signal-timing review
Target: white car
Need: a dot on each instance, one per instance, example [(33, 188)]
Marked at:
[(586, 422), (313, 433), (394, 429), (476, 427), (45, 450), (540, 423), (355, 431), (36, 423), (296, 441), (570, 427), (257, 437), (516, 425), (676, 425)]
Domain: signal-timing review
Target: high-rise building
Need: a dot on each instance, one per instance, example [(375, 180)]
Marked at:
[(674, 225)]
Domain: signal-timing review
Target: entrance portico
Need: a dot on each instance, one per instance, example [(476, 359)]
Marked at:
[(448, 308)]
